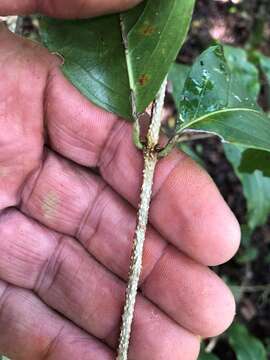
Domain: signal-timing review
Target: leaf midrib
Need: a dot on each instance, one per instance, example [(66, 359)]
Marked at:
[(209, 116), (128, 53), (160, 38)]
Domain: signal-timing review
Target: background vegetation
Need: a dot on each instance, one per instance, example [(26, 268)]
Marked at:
[(245, 25)]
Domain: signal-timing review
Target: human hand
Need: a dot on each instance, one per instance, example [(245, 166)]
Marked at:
[(65, 248)]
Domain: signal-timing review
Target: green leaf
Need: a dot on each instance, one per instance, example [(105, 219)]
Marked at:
[(191, 153), (95, 59), (256, 188), (265, 65), (247, 255), (267, 340), (245, 74), (214, 101), (237, 292), (177, 76), (210, 88), (255, 159), (245, 346), (206, 356)]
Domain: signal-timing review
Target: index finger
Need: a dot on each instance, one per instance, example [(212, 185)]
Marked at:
[(65, 8)]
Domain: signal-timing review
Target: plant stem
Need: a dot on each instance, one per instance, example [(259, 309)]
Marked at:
[(19, 25), (150, 162)]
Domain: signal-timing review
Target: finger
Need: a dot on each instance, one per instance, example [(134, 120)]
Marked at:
[(30, 330), (73, 201), (187, 208), (207, 321), (21, 112), (191, 294), (65, 8), (76, 285)]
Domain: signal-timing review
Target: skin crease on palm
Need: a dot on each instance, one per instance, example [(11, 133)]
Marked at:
[(66, 233)]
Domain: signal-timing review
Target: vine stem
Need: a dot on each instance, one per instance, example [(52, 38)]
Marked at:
[(150, 155)]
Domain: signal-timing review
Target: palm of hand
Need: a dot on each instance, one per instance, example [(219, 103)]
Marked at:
[(65, 247)]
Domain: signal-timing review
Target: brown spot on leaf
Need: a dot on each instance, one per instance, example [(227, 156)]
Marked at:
[(144, 79), (147, 29)]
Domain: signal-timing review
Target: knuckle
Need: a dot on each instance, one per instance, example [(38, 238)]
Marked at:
[(52, 267)]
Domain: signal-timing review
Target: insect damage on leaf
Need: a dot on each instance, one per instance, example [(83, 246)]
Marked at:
[(144, 79), (147, 29), (214, 101), (217, 95)]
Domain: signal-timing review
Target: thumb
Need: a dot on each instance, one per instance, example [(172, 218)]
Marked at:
[(65, 8)]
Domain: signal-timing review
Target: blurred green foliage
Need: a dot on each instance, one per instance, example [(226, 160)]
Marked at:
[(248, 68)]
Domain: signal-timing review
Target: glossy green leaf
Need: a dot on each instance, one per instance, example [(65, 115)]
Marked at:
[(256, 188), (265, 65), (246, 74), (245, 346), (211, 88), (243, 71), (206, 356), (215, 101), (95, 60), (255, 159), (177, 76)]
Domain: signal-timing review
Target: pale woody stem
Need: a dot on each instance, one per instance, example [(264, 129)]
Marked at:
[(150, 161)]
